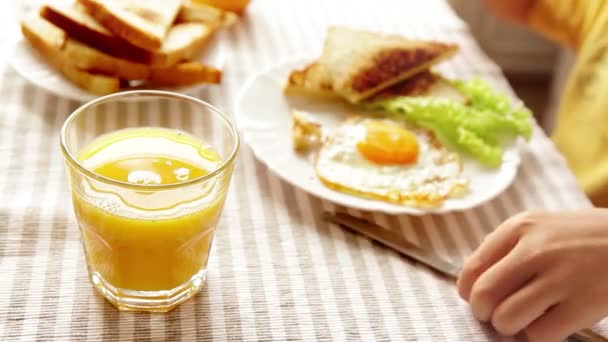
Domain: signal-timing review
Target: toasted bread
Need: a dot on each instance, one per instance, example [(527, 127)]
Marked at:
[(183, 41), (84, 28), (50, 41), (196, 12), (363, 63), (88, 58), (359, 64), (184, 74), (425, 83), (312, 80), (143, 23)]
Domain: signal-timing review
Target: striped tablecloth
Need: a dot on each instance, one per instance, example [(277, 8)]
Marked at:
[(278, 271)]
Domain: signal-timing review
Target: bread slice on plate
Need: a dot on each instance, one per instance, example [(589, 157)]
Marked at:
[(90, 59), (178, 73), (358, 64), (363, 63), (184, 74), (83, 27), (183, 40), (143, 23), (195, 12), (50, 41)]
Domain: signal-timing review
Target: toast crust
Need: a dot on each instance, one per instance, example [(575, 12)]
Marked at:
[(82, 27), (195, 12), (90, 59), (311, 80), (175, 48), (48, 42), (185, 74), (306, 78), (140, 26), (121, 27)]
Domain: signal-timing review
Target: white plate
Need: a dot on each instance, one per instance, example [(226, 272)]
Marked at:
[(33, 67), (263, 115)]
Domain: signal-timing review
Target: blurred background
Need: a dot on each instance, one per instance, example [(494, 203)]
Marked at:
[(536, 68)]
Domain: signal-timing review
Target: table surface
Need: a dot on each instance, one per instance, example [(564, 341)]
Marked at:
[(278, 271)]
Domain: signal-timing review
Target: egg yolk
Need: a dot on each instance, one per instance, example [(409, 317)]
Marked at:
[(388, 144)]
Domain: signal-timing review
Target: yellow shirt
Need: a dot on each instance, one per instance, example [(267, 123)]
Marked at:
[(581, 133)]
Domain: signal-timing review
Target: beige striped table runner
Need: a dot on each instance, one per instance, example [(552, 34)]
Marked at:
[(278, 271)]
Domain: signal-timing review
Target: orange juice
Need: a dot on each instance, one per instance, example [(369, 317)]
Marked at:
[(133, 240)]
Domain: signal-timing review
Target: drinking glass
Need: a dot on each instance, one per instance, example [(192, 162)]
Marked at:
[(147, 246)]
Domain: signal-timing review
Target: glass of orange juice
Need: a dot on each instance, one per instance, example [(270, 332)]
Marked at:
[(149, 172)]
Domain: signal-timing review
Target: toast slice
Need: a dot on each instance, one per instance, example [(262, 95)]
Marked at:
[(363, 63), (196, 12), (312, 80), (425, 83), (87, 58), (90, 59), (183, 41), (143, 23), (184, 74), (83, 27), (358, 64), (50, 41)]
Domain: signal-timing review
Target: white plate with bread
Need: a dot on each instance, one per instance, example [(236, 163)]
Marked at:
[(90, 48)]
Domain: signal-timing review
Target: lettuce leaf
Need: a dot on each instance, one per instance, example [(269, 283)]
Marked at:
[(477, 128)]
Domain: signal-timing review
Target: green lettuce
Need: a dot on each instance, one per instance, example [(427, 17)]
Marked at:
[(478, 127)]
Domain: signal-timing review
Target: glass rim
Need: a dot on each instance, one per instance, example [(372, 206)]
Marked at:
[(73, 161)]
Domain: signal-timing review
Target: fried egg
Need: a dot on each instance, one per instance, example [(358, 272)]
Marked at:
[(386, 160)]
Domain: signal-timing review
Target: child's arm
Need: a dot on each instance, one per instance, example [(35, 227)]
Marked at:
[(566, 21), (542, 273), (516, 11)]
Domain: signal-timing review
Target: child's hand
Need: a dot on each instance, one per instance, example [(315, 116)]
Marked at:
[(542, 273)]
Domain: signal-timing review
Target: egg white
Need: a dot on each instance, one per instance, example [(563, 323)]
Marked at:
[(434, 177)]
